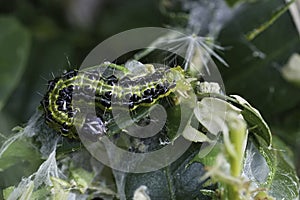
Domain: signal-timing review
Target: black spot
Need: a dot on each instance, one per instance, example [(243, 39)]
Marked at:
[(68, 103), (70, 74), (152, 91), (106, 103), (65, 128), (68, 98), (147, 92), (69, 107), (71, 114), (159, 86), (97, 198), (155, 95), (61, 108), (51, 84), (71, 88), (49, 118), (130, 105), (59, 102), (45, 102), (108, 95), (134, 98), (165, 90), (112, 80), (148, 99), (62, 93)]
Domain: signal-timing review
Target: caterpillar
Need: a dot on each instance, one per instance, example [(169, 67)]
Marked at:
[(68, 98)]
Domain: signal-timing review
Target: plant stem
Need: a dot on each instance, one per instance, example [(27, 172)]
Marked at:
[(237, 135)]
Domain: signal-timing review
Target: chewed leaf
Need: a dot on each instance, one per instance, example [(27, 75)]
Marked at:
[(211, 113), (282, 181), (254, 119), (180, 180), (15, 44), (194, 135)]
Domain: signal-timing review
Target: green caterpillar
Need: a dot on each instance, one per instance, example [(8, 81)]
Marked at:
[(104, 87)]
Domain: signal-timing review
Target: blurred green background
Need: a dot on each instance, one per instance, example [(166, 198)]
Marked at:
[(39, 38)]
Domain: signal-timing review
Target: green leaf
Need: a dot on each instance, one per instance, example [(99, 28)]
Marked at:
[(180, 180), (14, 50), (20, 159), (21, 151), (254, 33), (233, 2), (8, 191), (255, 121), (83, 178), (282, 182), (254, 71), (193, 135), (257, 124), (61, 188), (41, 193)]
